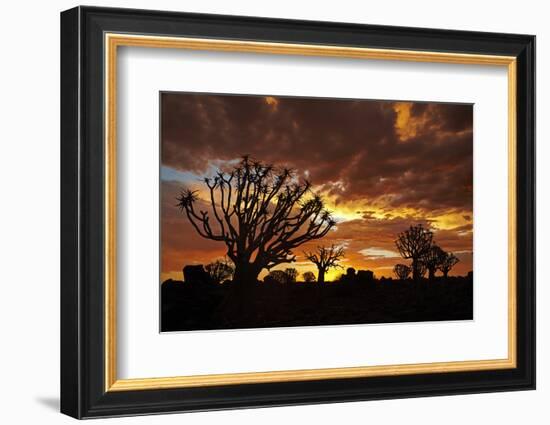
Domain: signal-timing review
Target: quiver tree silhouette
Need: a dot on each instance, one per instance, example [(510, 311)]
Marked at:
[(414, 243), (291, 275), (448, 263), (402, 271), (421, 269), (433, 259), (325, 258), (261, 213), (220, 270), (276, 276), (308, 277)]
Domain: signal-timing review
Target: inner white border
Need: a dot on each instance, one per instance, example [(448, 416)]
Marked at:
[(143, 352)]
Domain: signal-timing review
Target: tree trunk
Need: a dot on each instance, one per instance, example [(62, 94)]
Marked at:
[(445, 272), (242, 297), (321, 276), (246, 274), (416, 274), (431, 274)]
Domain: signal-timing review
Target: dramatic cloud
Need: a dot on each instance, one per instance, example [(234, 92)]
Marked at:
[(381, 165)]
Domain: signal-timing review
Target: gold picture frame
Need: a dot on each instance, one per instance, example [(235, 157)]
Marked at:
[(114, 41)]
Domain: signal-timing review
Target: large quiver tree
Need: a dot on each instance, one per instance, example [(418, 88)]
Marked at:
[(261, 214)]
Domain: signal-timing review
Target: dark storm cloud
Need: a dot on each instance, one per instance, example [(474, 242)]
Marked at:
[(451, 117), (353, 149)]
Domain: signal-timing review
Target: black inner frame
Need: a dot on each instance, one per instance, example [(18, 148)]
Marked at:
[(82, 207)]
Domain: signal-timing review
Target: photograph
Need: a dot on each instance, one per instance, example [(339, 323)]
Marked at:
[(282, 211)]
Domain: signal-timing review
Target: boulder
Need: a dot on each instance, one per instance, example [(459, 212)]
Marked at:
[(195, 275)]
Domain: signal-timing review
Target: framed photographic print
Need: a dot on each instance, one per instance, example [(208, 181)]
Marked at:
[(261, 212)]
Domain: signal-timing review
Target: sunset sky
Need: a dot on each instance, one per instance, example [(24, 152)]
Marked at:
[(381, 166)]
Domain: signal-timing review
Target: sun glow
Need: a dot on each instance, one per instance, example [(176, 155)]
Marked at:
[(451, 220)]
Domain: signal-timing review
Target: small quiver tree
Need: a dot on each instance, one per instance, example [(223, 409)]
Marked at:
[(325, 258), (448, 263), (413, 244), (433, 259), (291, 275), (276, 276), (402, 271), (308, 277), (220, 270)]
